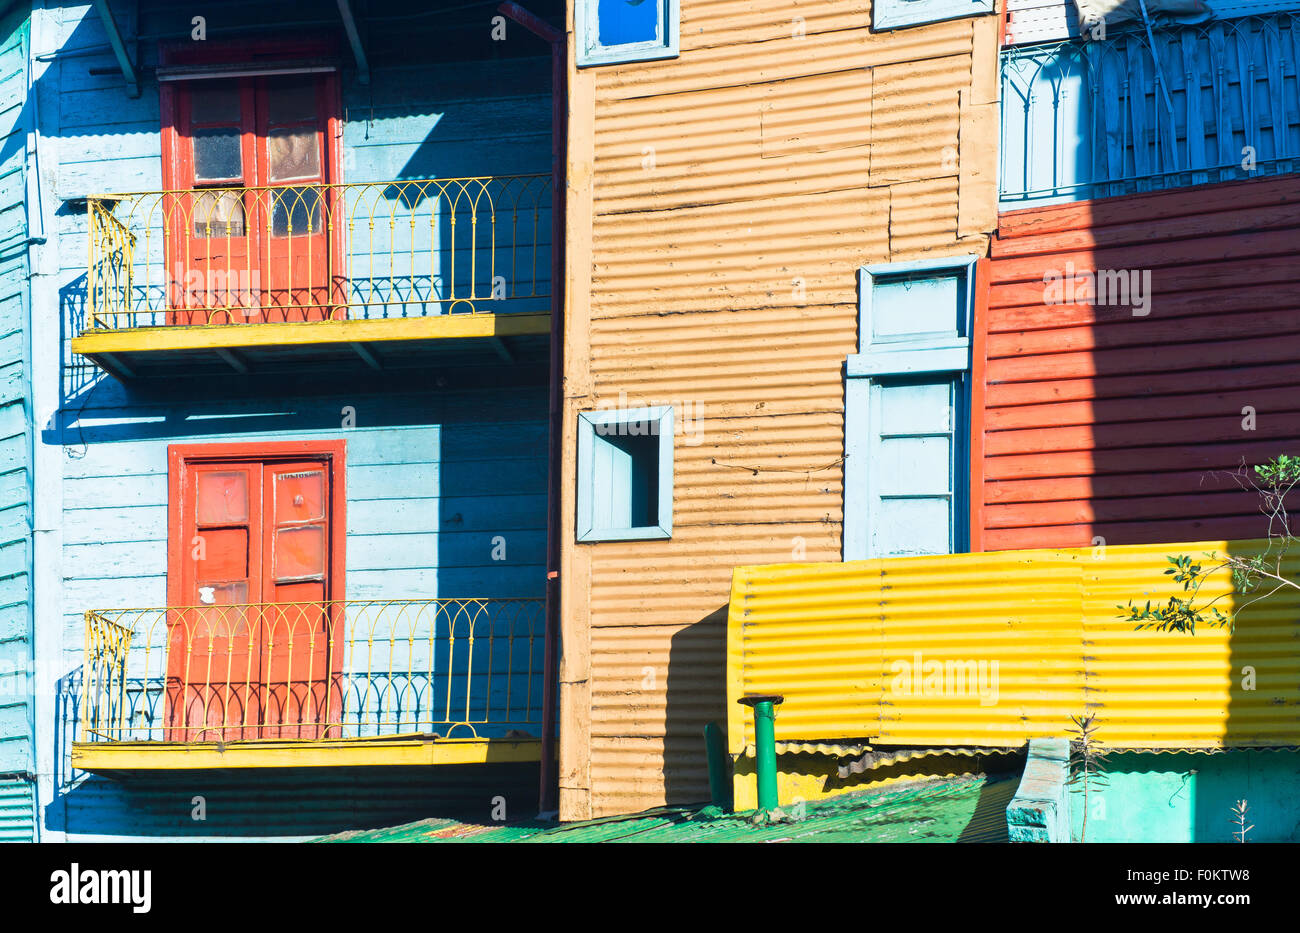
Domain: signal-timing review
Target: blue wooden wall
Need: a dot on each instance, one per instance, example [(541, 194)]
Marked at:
[(434, 475), (16, 716)]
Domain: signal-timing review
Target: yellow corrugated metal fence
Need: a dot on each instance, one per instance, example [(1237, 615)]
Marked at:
[(994, 649)]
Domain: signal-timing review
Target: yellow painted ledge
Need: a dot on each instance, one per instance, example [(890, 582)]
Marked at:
[(411, 750), (307, 333)]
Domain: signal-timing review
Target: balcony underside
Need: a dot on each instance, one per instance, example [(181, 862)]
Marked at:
[(385, 751), (374, 344)]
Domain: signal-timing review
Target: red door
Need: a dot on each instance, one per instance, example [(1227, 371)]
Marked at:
[(252, 649), (248, 238)]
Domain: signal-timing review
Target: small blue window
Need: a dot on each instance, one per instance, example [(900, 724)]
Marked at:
[(625, 474), (611, 31), (896, 14)]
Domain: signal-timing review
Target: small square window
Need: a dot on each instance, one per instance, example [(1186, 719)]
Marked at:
[(895, 14), (612, 31), (625, 474)]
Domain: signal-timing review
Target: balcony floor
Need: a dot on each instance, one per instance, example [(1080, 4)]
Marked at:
[(380, 751), (376, 344)]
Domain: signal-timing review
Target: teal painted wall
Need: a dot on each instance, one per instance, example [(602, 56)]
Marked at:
[(16, 715), (1184, 797), (439, 463)]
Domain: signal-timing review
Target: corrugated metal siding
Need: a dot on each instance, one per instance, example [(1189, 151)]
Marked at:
[(736, 191), (835, 639), (17, 810), (16, 806), (1101, 424)]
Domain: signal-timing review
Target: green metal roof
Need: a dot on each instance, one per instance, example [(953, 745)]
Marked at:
[(966, 809)]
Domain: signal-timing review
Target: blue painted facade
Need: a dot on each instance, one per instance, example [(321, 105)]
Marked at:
[(446, 461), (16, 711)]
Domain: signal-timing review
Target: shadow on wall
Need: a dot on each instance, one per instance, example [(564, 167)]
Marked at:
[(696, 694), (291, 802), (1189, 797), (1120, 421)]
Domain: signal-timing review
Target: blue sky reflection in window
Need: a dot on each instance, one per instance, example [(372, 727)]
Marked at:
[(624, 21)]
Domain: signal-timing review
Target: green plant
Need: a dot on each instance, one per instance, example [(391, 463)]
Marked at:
[(1259, 576), (1087, 763), (1239, 817)]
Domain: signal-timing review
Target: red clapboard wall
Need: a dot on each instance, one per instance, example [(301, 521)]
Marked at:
[(1099, 423)]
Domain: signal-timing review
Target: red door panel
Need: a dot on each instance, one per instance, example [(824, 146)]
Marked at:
[(211, 236), (213, 660), (299, 642), (291, 136)]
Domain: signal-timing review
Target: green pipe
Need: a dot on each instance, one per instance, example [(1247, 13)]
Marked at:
[(764, 706), (715, 744)]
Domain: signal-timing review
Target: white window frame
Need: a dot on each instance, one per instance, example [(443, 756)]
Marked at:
[(899, 14), (923, 355), (589, 51)]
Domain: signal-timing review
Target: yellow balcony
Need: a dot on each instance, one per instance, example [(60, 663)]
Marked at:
[(345, 683), (377, 274)]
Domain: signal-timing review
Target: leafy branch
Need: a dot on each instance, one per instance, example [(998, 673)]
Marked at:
[(1258, 576)]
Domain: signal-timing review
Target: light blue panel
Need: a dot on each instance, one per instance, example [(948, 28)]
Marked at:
[(912, 456), (622, 21), (912, 307), (896, 14), (1185, 797)]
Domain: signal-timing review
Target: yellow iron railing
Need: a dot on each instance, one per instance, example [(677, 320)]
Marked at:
[(459, 668), (301, 253)]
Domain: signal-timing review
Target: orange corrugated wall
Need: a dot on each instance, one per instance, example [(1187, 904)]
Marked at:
[(734, 192), (1097, 423)]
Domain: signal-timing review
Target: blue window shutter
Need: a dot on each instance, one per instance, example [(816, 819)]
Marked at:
[(896, 14), (913, 454)]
